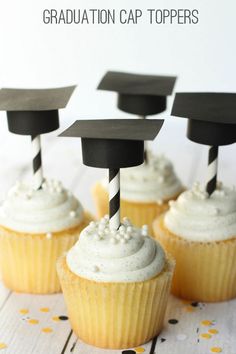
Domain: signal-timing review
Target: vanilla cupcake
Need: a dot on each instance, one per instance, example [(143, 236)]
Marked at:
[(36, 227), (116, 285), (200, 232), (145, 191)]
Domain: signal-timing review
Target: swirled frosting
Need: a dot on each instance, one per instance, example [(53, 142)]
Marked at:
[(106, 255), (154, 181), (47, 210), (197, 217)]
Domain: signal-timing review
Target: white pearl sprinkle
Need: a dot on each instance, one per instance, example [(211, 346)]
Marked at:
[(125, 219), (113, 241), (129, 229), (97, 237), (92, 224), (72, 213), (48, 235), (101, 227), (106, 231), (118, 237), (122, 228), (127, 237), (123, 240)]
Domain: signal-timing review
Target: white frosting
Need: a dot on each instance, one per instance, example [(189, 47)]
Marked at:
[(154, 181), (47, 210), (125, 255), (197, 217)]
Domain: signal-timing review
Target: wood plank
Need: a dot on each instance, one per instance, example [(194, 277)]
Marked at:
[(38, 329)]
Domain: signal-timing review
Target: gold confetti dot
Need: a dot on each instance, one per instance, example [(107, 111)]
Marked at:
[(139, 350), (190, 309), (216, 350), (205, 335), (3, 345), (213, 331), (206, 323), (44, 309), (24, 311), (47, 330), (56, 318), (33, 321)]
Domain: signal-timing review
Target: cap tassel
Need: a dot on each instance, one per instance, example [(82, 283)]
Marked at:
[(212, 169), (37, 162), (114, 198)]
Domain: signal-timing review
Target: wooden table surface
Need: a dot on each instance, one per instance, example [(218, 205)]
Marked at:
[(39, 324)]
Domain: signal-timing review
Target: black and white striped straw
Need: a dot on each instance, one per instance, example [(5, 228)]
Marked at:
[(114, 198), (37, 162), (212, 169), (145, 145)]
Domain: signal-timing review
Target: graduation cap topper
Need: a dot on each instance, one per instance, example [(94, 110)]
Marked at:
[(113, 144), (211, 121), (34, 112), (139, 94)]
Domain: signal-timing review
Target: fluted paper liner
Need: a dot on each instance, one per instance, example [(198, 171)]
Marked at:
[(115, 315), (204, 271), (139, 213), (28, 261)]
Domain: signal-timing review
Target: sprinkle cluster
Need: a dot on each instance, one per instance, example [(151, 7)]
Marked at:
[(201, 193), (53, 186), (21, 189), (101, 230)]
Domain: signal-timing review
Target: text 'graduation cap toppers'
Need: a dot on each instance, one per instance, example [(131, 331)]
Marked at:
[(211, 121), (139, 94), (34, 112), (114, 144)]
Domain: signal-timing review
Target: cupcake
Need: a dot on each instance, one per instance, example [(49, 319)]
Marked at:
[(116, 285), (36, 227), (145, 190), (200, 232)]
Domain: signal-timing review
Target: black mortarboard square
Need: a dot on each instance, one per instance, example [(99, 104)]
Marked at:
[(34, 111), (139, 94), (113, 143), (211, 116)]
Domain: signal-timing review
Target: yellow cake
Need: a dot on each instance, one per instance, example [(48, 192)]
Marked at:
[(116, 285), (200, 233), (36, 227), (145, 191)]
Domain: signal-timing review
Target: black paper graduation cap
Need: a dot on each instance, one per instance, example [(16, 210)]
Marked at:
[(33, 111), (113, 143), (139, 94), (211, 116)]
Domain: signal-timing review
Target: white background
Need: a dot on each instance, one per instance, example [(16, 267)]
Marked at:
[(33, 54)]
